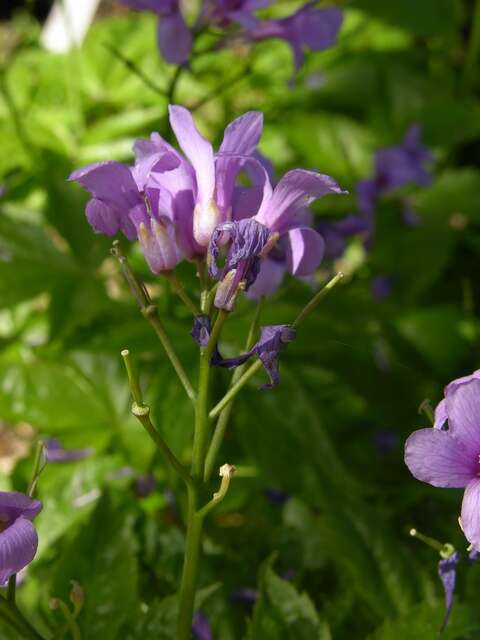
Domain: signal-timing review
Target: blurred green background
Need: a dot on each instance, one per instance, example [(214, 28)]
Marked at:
[(332, 434)]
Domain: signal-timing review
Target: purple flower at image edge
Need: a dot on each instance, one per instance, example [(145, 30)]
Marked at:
[(450, 458), (18, 537), (246, 596), (201, 629), (55, 452), (309, 28), (173, 35)]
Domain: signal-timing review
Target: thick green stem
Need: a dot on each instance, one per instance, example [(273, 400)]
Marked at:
[(200, 440), (234, 389), (190, 569)]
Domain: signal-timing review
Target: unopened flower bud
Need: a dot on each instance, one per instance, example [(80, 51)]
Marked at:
[(77, 596)]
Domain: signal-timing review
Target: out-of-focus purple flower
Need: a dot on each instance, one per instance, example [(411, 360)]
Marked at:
[(396, 167), (447, 571), (201, 629), (201, 330), (335, 234), (277, 497), (246, 240), (173, 35), (18, 537), (308, 28), (451, 458), (381, 287), (409, 216), (145, 485), (473, 555), (55, 452), (385, 441), (284, 210), (246, 596)]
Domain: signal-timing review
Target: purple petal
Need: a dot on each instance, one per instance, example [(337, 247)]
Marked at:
[(246, 202), (158, 241), (447, 571), (273, 339), (109, 181), (441, 416), (470, 518), (14, 504), (201, 330), (201, 629), (463, 410), (440, 459), (55, 452), (367, 195), (18, 546), (104, 218), (174, 38), (268, 279), (305, 248), (295, 191), (197, 149), (318, 28), (240, 138)]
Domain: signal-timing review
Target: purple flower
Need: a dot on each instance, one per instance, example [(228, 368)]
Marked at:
[(173, 35), (307, 29), (447, 570), (335, 234), (284, 210), (396, 167), (273, 339), (381, 287), (201, 629), (145, 485), (247, 240), (277, 497), (246, 596), (18, 537), (56, 453), (451, 458)]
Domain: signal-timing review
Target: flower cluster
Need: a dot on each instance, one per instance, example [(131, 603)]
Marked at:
[(309, 28), (187, 206), (448, 454)]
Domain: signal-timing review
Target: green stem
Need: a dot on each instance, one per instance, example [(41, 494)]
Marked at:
[(190, 569), (226, 472), (201, 415), (12, 615), (12, 588), (311, 306), (473, 49), (131, 66), (224, 417), (142, 413), (235, 389), (38, 467), (181, 293), (150, 312)]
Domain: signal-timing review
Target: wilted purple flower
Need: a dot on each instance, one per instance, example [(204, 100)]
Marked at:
[(201, 629), (55, 452), (278, 497), (451, 458), (273, 339), (18, 537), (246, 596), (284, 210), (308, 28), (447, 570), (246, 240), (173, 35)]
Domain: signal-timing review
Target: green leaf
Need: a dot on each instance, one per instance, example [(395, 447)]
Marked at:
[(29, 262), (102, 559)]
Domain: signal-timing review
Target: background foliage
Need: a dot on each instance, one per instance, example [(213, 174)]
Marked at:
[(334, 561)]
